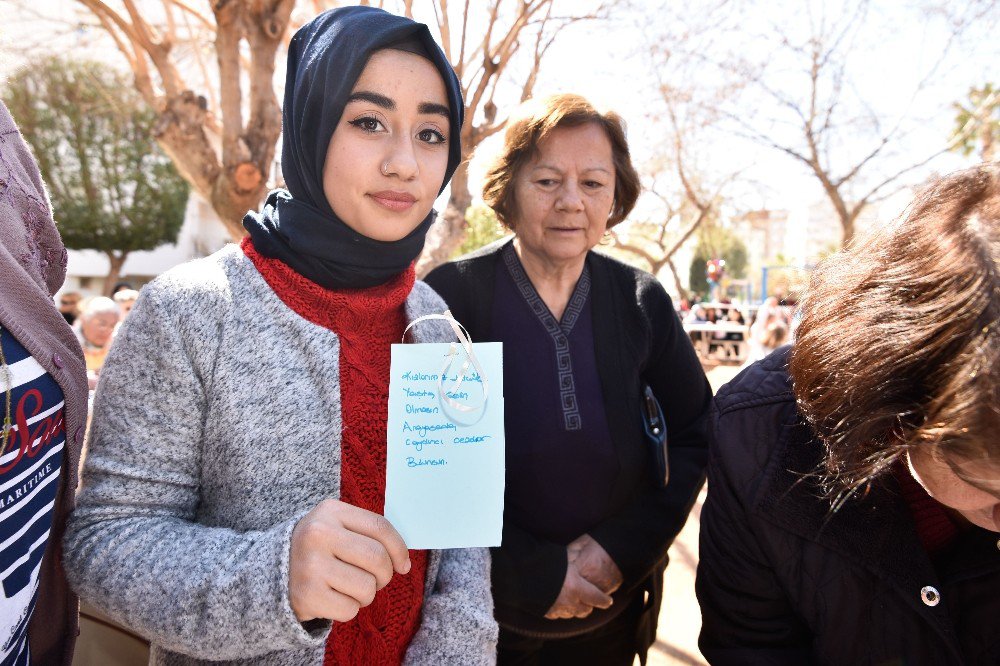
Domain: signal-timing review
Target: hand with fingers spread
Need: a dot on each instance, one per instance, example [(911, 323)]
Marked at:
[(341, 556)]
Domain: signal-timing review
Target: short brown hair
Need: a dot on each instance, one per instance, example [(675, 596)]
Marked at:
[(530, 124), (899, 344)]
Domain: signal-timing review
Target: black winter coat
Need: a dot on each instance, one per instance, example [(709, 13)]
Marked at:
[(784, 581), (638, 337)]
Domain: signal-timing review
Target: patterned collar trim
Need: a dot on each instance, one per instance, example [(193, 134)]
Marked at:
[(559, 331)]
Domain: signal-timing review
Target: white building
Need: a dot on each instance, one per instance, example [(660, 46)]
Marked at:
[(201, 234), (815, 231)]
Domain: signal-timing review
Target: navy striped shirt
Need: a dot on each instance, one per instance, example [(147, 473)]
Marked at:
[(29, 479)]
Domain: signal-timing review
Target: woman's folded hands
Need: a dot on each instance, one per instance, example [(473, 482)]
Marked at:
[(591, 578)]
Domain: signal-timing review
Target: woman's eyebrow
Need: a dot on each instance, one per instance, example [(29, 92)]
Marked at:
[(374, 98), (389, 105), (432, 107)]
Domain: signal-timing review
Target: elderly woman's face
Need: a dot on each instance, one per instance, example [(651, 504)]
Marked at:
[(388, 156), (97, 328), (563, 196), (975, 494)]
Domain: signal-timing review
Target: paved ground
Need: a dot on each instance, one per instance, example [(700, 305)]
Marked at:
[(680, 619)]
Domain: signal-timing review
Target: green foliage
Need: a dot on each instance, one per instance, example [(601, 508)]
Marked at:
[(483, 229), (112, 188), (715, 242), (973, 111), (697, 282)]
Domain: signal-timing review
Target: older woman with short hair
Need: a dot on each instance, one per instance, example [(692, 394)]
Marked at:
[(94, 328), (578, 576)]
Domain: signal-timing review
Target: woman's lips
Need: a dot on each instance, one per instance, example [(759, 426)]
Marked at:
[(394, 201), (996, 517)]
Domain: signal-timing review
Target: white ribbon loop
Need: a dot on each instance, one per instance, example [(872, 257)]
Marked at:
[(470, 357)]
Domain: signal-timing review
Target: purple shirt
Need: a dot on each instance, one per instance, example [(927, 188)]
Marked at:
[(561, 463)]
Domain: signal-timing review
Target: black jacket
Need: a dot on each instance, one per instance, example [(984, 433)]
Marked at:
[(637, 335), (784, 581)]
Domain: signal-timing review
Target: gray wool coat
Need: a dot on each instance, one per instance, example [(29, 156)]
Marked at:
[(216, 427)]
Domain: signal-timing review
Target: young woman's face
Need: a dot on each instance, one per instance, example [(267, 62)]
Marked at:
[(975, 494), (388, 156)]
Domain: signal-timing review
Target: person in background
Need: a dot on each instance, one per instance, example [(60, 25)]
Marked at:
[(768, 331), (578, 576), (69, 305), (853, 510), (734, 316), (696, 315), (94, 329), (43, 412), (775, 336), (235, 479), (121, 286), (125, 300)]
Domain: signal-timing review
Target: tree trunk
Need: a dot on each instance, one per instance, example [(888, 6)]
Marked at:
[(449, 231), (116, 261), (681, 291), (847, 221), (986, 139), (235, 181), (182, 135)]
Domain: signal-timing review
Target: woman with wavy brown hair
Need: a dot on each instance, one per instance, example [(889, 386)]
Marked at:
[(588, 517), (854, 481)]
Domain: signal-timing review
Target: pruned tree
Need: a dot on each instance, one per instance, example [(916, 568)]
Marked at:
[(493, 46), (657, 242), (222, 143), (802, 98), (112, 188), (977, 122), (688, 191)]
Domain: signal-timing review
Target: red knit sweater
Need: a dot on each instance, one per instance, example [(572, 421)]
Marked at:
[(935, 527), (366, 321)]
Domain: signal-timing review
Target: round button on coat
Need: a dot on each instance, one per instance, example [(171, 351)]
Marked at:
[(930, 596), (57, 360)]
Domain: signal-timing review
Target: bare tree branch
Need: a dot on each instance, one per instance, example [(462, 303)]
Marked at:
[(233, 178), (484, 57)]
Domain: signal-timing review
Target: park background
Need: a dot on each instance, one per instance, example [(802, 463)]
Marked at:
[(767, 134)]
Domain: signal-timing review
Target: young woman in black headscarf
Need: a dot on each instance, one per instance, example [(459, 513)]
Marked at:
[(236, 474)]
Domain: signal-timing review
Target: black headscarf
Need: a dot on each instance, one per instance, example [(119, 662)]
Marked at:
[(325, 58)]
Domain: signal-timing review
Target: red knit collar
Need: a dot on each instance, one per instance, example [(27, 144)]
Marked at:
[(345, 311), (936, 527)]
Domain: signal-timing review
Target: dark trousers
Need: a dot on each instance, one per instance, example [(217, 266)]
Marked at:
[(614, 644)]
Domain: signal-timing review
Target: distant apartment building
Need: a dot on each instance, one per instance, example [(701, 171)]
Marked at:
[(764, 233), (815, 231), (797, 237)]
